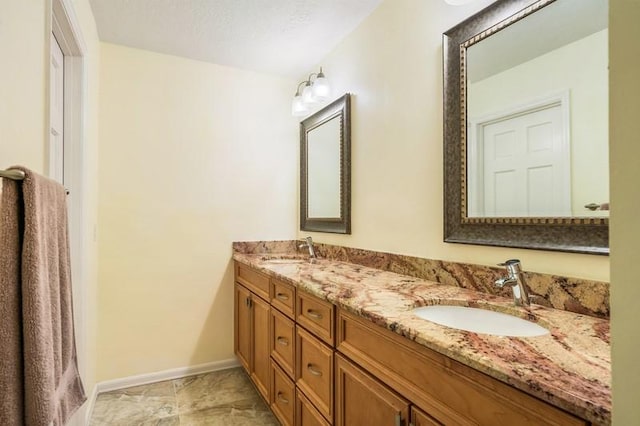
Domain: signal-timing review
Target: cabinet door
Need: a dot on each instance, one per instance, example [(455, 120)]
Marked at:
[(242, 338), (261, 359), (306, 413), (363, 401), (420, 418)]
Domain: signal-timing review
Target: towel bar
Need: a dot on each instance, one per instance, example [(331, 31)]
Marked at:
[(12, 174)]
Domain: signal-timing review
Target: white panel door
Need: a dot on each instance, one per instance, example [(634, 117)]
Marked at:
[(525, 164), (56, 105)]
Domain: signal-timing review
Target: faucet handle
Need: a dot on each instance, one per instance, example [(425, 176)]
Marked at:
[(505, 281)]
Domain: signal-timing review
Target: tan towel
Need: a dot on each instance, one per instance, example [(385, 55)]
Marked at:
[(39, 379)]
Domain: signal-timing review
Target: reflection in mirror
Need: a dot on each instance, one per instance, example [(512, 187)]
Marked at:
[(325, 163), (323, 170), (537, 114), (526, 126)]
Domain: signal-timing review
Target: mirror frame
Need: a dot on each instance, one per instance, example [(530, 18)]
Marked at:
[(341, 108), (569, 234)]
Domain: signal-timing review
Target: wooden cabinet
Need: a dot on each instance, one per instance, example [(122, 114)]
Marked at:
[(251, 340), (317, 316), (447, 390), (255, 281), (261, 360), (420, 418), (283, 341), (314, 371), (283, 396), (318, 366), (243, 339), (306, 413), (283, 297), (363, 401)]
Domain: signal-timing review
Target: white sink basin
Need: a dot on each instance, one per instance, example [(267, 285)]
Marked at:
[(480, 321), (283, 259)]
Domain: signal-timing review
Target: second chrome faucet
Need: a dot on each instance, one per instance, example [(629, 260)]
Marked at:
[(516, 280)]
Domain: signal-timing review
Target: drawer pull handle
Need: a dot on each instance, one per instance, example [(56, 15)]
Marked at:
[(282, 398), (282, 341), (313, 370), (314, 314), (282, 296)]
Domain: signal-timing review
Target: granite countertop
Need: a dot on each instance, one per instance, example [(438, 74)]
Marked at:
[(569, 368)]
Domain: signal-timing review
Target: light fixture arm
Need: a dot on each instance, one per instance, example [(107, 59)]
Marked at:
[(305, 82)]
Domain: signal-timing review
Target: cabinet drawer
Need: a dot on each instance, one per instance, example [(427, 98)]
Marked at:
[(283, 341), (283, 392), (316, 316), (449, 391), (283, 297), (253, 280), (306, 413), (314, 371)]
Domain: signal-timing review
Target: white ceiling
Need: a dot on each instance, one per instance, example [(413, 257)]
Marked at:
[(284, 37)]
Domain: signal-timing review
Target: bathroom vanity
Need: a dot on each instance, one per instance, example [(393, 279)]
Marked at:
[(335, 343)]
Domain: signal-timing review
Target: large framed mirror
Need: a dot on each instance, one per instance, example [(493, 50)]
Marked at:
[(325, 169), (526, 126)]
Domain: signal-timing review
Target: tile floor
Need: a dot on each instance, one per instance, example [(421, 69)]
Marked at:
[(221, 398)]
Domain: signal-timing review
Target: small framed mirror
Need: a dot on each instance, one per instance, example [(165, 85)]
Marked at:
[(325, 169)]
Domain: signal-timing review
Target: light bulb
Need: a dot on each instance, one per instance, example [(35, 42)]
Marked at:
[(298, 107), (321, 89), (307, 95)]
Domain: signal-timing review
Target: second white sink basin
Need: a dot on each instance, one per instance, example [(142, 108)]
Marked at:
[(480, 321)]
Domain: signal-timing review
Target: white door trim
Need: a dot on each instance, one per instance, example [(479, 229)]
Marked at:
[(65, 27), (475, 148)]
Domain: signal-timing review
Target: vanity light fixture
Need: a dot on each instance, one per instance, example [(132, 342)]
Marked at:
[(316, 89)]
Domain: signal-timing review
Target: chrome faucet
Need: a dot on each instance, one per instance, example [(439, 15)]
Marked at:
[(516, 281), (308, 243)]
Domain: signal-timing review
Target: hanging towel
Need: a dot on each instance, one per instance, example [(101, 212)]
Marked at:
[(39, 380)]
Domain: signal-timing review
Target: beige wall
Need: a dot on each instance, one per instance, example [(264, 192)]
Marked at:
[(625, 226), (22, 84), (24, 28), (193, 156), (392, 64)]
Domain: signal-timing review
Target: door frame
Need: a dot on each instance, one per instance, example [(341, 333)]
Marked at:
[(64, 25), (475, 147)]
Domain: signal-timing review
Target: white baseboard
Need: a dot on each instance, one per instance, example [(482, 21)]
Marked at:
[(159, 376), (90, 403)]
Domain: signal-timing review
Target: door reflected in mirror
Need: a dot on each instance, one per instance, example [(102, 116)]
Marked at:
[(537, 115), (325, 169)]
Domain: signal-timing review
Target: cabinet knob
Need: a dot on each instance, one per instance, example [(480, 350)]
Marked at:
[(314, 314), (313, 370), (281, 398)]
